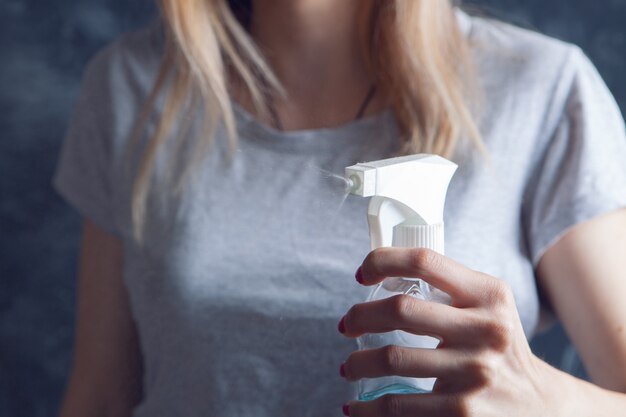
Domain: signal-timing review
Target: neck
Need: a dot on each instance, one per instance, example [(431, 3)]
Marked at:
[(314, 47), (319, 37)]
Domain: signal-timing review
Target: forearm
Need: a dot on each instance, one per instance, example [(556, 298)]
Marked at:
[(569, 396), (87, 397), (106, 378), (81, 400)]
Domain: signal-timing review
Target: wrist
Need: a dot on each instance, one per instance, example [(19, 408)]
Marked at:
[(567, 396)]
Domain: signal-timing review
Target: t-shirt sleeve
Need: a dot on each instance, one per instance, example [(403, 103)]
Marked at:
[(582, 171), (83, 174)]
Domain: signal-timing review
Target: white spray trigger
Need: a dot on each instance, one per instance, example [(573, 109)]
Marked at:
[(409, 188)]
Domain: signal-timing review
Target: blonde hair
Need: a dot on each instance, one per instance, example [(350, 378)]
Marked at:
[(414, 50)]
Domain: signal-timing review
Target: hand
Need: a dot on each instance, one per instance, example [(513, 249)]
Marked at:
[(483, 365)]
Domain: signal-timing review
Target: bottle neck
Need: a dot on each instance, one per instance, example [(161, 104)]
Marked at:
[(430, 236)]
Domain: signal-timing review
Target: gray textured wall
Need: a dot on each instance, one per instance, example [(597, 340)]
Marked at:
[(43, 48)]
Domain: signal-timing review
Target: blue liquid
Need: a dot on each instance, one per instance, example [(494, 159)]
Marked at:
[(391, 389)]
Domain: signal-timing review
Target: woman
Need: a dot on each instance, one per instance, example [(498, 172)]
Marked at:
[(211, 282)]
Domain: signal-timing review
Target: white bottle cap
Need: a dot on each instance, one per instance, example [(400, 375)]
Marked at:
[(430, 236)]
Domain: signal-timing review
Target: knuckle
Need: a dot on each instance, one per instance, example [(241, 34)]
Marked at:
[(393, 405), (499, 292), (499, 332), (424, 259), (403, 307), (482, 369), (393, 358)]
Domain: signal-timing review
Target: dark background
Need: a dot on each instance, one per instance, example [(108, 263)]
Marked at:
[(44, 46)]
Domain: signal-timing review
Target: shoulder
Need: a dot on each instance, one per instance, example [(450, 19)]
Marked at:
[(525, 49), (115, 84), (530, 80), (511, 57), (127, 65)]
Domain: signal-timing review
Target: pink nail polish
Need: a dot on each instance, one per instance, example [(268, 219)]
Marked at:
[(342, 325), (359, 275), (346, 409), (342, 370)]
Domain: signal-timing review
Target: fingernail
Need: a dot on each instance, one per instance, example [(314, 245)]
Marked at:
[(342, 370), (359, 275), (346, 409), (342, 325)]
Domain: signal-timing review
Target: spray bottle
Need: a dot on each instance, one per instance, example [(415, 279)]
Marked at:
[(406, 210)]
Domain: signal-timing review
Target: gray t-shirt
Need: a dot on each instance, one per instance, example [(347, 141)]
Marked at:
[(243, 278)]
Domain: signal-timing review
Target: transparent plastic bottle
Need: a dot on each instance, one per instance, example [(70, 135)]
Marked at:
[(372, 388)]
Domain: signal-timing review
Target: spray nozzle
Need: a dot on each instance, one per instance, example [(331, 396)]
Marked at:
[(352, 184)]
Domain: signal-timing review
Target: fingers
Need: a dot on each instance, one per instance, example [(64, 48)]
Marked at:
[(403, 361), (409, 405), (404, 312), (464, 285), (477, 331)]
